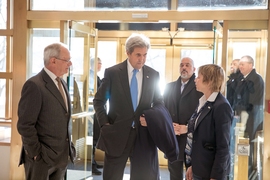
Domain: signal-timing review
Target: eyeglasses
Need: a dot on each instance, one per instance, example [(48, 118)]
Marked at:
[(67, 61)]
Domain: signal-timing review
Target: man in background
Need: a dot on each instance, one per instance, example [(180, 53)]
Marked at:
[(181, 99), (249, 105), (96, 128), (44, 113), (234, 77)]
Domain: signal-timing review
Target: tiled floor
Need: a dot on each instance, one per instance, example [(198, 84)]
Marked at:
[(82, 175)]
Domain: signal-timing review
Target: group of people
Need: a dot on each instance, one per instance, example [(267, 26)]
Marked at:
[(190, 123)]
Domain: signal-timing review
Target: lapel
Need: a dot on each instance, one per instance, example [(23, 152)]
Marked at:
[(123, 76), (145, 80), (50, 85), (205, 111)]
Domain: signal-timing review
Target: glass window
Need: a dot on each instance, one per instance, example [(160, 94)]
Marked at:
[(41, 38), (100, 4), (142, 4), (199, 56), (244, 48), (2, 97), (3, 13), (221, 4), (107, 54), (156, 59), (5, 133), (2, 53)]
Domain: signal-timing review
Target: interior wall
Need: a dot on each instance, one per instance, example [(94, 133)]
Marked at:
[(4, 156)]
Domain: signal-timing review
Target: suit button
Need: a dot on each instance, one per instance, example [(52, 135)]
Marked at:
[(67, 139)]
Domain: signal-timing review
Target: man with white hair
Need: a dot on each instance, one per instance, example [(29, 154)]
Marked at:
[(249, 103)]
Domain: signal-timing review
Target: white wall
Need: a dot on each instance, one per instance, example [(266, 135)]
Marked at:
[(4, 163)]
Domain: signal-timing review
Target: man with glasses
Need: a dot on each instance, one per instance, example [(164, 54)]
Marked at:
[(44, 113)]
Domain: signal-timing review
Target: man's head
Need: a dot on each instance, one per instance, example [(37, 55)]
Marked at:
[(187, 68), (99, 64), (57, 58), (92, 64), (137, 46), (246, 64), (234, 65)]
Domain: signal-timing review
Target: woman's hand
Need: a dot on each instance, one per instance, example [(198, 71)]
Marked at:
[(189, 173)]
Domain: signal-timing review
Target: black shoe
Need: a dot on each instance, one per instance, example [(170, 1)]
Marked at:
[(95, 171), (99, 166)]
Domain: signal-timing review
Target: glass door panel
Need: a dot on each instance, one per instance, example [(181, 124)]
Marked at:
[(247, 128), (81, 39)]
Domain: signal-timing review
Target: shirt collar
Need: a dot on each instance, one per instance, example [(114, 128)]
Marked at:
[(50, 73), (211, 98), (130, 68)]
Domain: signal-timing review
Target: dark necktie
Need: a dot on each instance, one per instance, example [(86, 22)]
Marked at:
[(60, 87), (134, 89), (191, 126)]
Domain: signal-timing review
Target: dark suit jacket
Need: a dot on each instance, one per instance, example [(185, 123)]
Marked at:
[(115, 88), (249, 97), (232, 82), (181, 106), (159, 134), (43, 120), (211, 140)]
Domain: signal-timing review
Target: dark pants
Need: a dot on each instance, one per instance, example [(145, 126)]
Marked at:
[(96, 134), (38, 169), (114, 166), (176, 170), (195, 177)]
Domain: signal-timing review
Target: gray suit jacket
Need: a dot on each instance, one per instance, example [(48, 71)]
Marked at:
[(43, 121), (115, 88)]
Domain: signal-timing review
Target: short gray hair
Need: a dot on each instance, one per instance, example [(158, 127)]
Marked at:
[(137, 40), (249, 59), (52, 50)]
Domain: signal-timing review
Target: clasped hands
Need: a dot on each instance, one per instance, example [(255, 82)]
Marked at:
[(179, 129)]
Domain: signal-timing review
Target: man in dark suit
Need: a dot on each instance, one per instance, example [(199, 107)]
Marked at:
[(249, 105), (181, 106), (44, 113), (119, 126), (234, 78), (232, 82)]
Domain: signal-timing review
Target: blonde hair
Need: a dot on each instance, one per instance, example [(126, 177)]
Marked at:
[(213, 75)]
